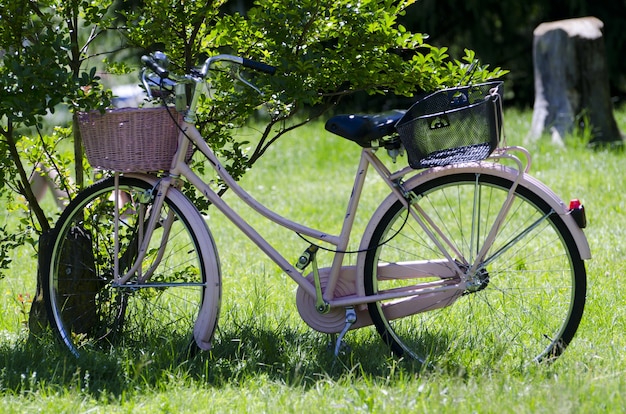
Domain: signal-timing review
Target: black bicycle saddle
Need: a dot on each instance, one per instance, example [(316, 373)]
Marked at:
[(363, 129)]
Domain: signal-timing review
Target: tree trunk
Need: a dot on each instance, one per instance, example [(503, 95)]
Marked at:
[(571, 81), (37, 318)]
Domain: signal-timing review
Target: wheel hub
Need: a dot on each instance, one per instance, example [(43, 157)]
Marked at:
[(477, 281)]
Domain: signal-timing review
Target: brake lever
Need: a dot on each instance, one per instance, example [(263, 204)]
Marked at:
[(144, 81), (236, 73), (153, 83)]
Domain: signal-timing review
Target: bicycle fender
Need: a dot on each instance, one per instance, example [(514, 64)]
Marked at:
[(526, 181), (539, 188), (205, 324)]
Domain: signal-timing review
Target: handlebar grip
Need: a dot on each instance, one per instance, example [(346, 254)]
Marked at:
[(155, 67), (261, 67)]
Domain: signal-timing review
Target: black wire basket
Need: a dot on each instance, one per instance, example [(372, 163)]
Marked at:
[(453, 125)]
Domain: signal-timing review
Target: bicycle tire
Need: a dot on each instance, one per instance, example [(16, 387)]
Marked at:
[(529, 300), (87, 310)]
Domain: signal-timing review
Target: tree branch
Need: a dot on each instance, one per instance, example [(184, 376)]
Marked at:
[(264, 143), (25, 188)]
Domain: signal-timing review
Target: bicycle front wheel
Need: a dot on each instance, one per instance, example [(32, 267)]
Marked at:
[(90, 310), (523, 301)]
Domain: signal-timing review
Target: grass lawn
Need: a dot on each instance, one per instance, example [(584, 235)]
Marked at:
[(265, 359)]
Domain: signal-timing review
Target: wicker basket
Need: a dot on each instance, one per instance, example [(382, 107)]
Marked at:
[(130, 139), (453, 125)]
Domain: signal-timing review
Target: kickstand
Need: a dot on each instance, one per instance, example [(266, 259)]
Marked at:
[(350, 319)]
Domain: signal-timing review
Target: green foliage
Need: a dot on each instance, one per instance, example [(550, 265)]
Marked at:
[(43, 45), (34, 67), (34, 78), (324, 50), (177, 27)]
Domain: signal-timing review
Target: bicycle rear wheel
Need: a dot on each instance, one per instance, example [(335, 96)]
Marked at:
[(89, 311), (525, 299)]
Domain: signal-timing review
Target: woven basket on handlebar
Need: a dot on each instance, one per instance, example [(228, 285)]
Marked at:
[(453, 125), (130, 139)]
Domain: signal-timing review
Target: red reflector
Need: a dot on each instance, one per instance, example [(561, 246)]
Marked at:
[(578, 212)]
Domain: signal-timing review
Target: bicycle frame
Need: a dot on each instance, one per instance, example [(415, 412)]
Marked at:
[(452, 283), (180, 168), (453, 276), (479, 234)]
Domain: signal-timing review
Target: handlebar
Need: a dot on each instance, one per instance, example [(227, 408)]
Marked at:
[(151, 62), (248, 63), (259, 66), (157, 63)]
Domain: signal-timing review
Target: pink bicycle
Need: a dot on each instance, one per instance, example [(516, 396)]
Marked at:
[(467, 252)]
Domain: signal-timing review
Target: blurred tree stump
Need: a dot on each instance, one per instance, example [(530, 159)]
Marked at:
[(572, 81)]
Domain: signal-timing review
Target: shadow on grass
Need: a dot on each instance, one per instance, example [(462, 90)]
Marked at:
[(240, 353)]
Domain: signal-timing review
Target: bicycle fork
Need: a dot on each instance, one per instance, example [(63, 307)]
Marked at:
[(145, 231)]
